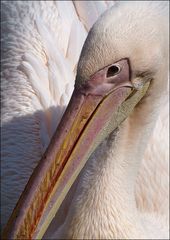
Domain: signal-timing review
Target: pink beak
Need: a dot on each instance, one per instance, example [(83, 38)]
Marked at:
[(91, 108)]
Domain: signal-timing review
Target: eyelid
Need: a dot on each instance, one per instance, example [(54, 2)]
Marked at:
[(113, 70)]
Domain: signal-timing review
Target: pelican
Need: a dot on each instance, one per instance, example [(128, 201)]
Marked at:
[(102, 174)]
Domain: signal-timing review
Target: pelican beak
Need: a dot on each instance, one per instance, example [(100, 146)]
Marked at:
[(96, 108)]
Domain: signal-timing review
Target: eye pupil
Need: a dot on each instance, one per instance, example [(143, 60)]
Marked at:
[(113, 70)]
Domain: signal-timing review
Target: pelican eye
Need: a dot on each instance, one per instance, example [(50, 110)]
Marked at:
[(113, 70)]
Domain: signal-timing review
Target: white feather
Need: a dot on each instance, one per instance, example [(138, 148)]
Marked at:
[(41, 44), (40, 50)]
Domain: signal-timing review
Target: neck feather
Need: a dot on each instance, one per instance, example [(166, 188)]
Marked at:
[(105, 201)]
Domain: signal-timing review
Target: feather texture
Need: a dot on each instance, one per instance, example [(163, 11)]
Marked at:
[(41, 43)]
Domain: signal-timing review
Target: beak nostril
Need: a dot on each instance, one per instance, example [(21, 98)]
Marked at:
[(112, 71)]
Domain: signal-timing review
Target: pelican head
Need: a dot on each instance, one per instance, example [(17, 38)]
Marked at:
[(123, 60), (130, 30)]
